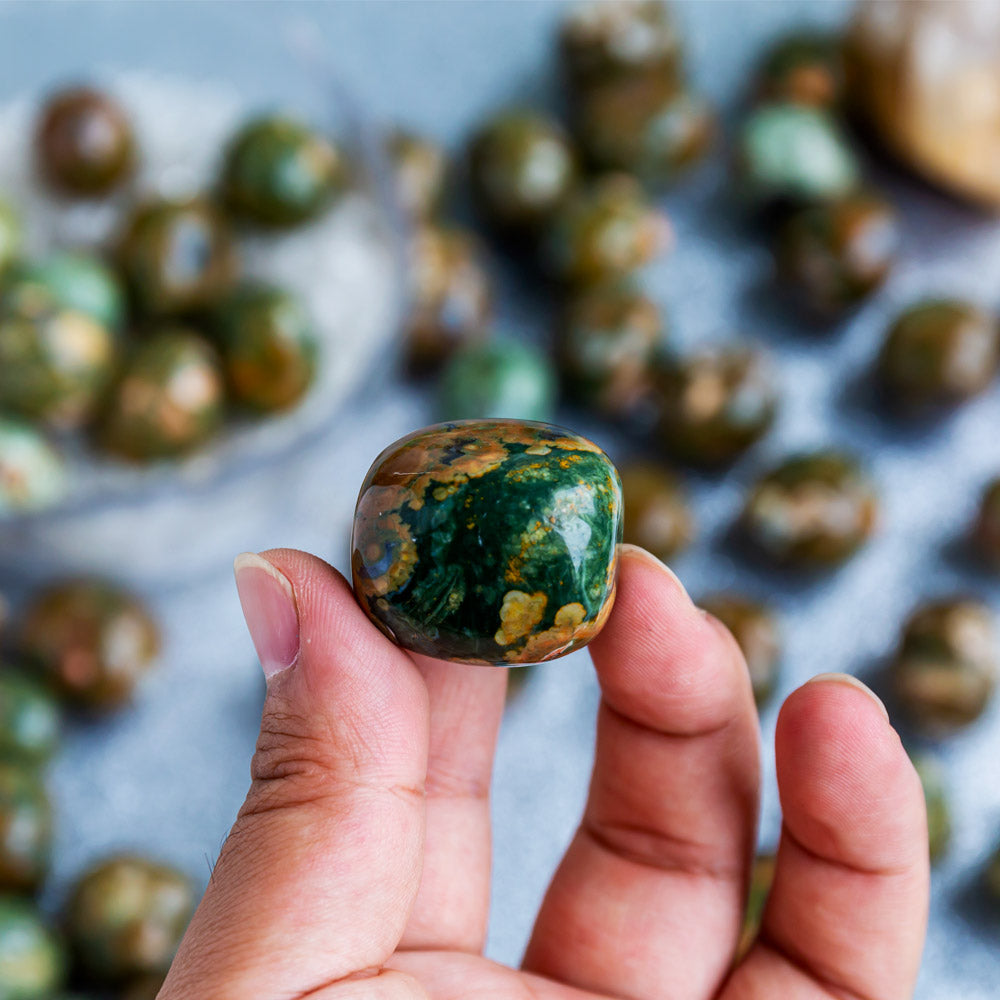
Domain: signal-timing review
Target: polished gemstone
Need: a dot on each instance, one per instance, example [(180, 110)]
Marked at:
[(489, 541)]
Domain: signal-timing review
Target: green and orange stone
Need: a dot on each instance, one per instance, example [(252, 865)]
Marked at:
[(489, 541)]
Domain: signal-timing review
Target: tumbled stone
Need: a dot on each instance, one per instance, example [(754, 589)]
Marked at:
[(489, 541)]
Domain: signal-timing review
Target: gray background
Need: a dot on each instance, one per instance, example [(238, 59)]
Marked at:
[(169, 775)]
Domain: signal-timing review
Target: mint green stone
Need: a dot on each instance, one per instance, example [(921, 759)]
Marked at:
[(72, 280), (793, 154), (32, 963), (501, 378)]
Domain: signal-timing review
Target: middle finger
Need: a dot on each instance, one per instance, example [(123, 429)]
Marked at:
[(648, 900)]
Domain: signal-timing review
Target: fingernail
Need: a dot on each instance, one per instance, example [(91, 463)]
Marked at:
[(269, 609), (635, 552), (850, 681)]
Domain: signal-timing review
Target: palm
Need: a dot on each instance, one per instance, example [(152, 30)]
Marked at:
[(377, 827)]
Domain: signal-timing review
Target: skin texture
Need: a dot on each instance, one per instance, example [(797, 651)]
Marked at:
[(359, 864)]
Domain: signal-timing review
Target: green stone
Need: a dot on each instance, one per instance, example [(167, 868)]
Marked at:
[(279, 172), (77, 281), (32, 472), (451, 296), (10, 233), (169, 400), (55, 362), (419, 168), (29, 719), (605, 346), (607, 230), (986, 530), (761, 879), (492, 541), (84, 143), (521, 167), (601, 41), (991, 876), (938, 353), (791, 154), (755, 628), (835, 254), (32, 964), (25, 828), (645, 127), (658, 516), (268, 347), (177, 257), (812, 511), (125, 918), (502, 378), (804, 67), (932, 779), (89, 639), (714, 403), (146, 988), (945, 670)]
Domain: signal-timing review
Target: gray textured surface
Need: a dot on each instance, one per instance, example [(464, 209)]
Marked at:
[(169, 776)]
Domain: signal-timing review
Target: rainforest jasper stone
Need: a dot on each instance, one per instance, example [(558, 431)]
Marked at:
[(489, 541)]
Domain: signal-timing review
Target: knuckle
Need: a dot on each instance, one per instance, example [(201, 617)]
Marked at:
[(299, 762), (288, 746), (654, 847)]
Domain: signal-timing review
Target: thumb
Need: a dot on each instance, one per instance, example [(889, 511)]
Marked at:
[(317, 877)]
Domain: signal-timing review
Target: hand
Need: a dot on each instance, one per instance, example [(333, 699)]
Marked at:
[(359, 865)]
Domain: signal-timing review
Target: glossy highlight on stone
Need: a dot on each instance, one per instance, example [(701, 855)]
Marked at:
[(489, 541)]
